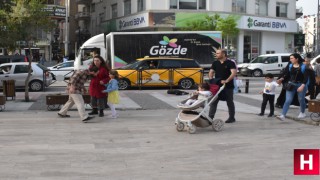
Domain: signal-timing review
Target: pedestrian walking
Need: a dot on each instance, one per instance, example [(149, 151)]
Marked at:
[(75, 90), (312, 79), (100, 76), (298, 78), (317, 76), (42, 59), (268, 94), (112, 88), (224, 69)]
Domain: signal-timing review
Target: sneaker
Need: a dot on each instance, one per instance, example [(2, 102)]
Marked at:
[(63, 116), (87, 119), (301, 115), (281, 117), (114, 116), (260, 114), (270, 115)]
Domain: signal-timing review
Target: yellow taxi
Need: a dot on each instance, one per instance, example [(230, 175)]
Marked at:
[(160, 71)]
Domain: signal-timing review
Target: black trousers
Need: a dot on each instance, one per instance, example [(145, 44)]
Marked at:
[(266, 98), (230, 104)]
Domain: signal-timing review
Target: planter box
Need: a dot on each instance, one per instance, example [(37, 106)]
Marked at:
[(2, 102), (314, 106), (54, 101)]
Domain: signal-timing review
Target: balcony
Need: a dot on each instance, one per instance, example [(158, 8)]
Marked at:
[(299, 12), (82, 15), (83, 1)]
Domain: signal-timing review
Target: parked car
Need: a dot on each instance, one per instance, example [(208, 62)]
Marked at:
[(66, 68), (13, 58), (19, 73), (161, 71), (313, 61), (263, 64), (63, 69)]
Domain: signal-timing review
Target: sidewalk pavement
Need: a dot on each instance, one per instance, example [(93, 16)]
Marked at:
[(38, 145), (157, 99)]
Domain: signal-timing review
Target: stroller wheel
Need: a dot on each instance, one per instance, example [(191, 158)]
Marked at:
[(180, 126), (217, 125), (192, 129)]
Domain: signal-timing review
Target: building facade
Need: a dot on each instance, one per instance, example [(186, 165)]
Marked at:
[(310, 31), (266, 26)]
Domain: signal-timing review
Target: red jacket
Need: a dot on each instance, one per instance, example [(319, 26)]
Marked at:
[(95, 88)]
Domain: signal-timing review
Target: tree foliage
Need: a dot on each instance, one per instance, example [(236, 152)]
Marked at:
[(23, 21)]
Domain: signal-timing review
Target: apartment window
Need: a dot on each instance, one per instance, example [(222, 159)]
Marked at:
[(188, 4), (282, 10), (114, 10), (93, 7), (239, 6), (127, 7), (141, 6), (262, 7)]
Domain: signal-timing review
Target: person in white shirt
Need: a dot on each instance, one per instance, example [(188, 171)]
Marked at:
[(203, 93), (268, 94)]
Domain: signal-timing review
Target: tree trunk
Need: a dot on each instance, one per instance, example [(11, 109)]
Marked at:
[(26, 95)]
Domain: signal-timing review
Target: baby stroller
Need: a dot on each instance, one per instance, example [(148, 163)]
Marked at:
[(193, 119)]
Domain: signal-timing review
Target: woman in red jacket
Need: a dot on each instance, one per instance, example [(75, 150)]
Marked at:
[(100, 76)]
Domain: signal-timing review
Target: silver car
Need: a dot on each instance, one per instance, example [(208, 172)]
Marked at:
[(19, 73)]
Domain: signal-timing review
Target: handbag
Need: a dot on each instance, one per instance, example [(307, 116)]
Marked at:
[(289, 86)]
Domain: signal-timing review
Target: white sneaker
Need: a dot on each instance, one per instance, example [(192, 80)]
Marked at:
[(114, 116), (281, 117), (301, 115)]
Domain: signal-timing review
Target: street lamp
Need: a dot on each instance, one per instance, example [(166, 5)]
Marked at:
[(66, 43)]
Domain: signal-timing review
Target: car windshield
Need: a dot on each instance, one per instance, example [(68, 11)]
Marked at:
[(133, 65), (44, 68), (261, 59)]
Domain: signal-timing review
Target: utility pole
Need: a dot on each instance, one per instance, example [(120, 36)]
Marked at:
[(66, 42)]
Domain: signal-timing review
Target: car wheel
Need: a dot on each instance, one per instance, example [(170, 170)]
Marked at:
[(36, 85), (186, 83), (124, 84), (257, 73)]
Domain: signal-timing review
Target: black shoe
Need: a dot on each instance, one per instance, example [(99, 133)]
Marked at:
[(101, 114), (278, 106), (94, 111), (260, 114), (270, 115), (87, 119), (63, 116), (230, 121)]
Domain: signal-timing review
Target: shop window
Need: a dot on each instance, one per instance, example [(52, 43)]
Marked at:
[(239, 6), (141, 5), (262, 7), (114, 10), (282, 10), (188, 4), (127, 7)]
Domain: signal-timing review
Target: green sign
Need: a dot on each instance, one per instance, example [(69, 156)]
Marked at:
[(299, 40)]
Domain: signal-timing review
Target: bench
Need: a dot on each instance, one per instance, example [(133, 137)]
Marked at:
[(2, 102), (54, 101)]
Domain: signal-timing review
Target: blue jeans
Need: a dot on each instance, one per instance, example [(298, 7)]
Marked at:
[(289, 98)]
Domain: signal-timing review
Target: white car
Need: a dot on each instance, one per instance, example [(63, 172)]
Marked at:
[(66, 69), (19, 72), (63, 69), (313, 61), (263, 64)]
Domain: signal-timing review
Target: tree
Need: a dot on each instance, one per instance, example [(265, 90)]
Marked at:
[(26, 19), (228, 27), (209, 23)]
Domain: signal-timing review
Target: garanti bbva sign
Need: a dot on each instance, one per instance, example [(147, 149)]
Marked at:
[(267, 24)]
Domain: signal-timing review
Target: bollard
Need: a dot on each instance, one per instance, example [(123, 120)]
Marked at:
[(247, 86)]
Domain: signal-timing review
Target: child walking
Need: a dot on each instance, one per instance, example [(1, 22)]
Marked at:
[(268, 94), (113, 93)]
